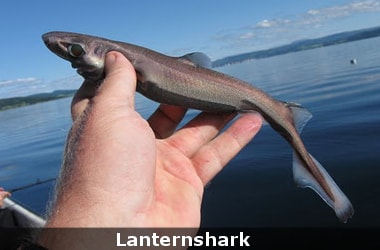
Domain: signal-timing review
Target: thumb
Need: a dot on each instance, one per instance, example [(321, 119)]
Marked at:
[(119, 84)]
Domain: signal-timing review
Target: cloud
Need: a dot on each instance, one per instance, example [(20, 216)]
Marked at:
[(247, 35), (19, 80), (277, 31), (32, 85), (328, 13), (323, 15), (265, 24), (313, 12), (271, 23), (19, 86)]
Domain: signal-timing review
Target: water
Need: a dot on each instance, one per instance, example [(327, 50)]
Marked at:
[(256, 188)]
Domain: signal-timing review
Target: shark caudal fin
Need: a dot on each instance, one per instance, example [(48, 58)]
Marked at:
[(341, 205), (303, 178)]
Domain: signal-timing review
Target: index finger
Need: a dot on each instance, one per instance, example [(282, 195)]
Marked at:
[(82, 97)]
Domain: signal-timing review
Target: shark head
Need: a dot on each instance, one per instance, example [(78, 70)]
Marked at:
[(85, 53)]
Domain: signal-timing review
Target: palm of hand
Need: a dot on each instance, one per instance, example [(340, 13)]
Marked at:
[(189, 158)]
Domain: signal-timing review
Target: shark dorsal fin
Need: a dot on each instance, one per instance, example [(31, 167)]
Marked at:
[(197, 59)]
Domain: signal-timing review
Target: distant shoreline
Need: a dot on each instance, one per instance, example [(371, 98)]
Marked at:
[(17, 102), (338, 38)]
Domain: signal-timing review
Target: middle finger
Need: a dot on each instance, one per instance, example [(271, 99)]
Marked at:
[(166, 119)]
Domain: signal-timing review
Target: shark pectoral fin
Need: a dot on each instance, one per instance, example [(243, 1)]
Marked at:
[(341, 205)]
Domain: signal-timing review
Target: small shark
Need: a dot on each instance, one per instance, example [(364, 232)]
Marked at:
[(189, 81)]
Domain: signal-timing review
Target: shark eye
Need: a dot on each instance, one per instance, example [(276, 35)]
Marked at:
[(75, 50)]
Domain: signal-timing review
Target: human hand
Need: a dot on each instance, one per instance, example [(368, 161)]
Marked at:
[(122, 171), (3, 194)]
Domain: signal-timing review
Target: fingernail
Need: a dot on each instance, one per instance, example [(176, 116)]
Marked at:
[(110, 58), (256, 120), (109, 61)]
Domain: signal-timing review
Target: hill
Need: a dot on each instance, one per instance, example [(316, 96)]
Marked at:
[(334, 39), (15, 102)]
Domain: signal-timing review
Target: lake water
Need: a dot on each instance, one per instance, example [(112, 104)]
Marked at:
[(256, 189)]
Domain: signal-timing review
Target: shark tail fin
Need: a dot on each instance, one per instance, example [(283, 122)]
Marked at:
[(303, 178), (341, 204)]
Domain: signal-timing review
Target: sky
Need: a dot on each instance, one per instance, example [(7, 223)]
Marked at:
[(218, 28)]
